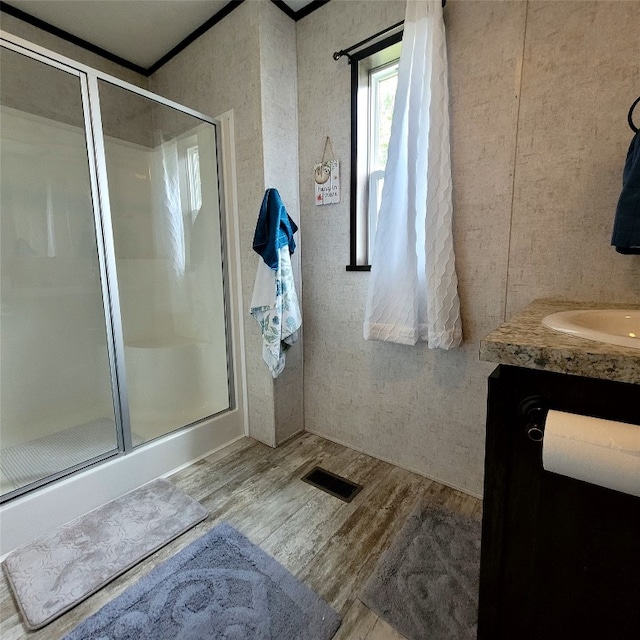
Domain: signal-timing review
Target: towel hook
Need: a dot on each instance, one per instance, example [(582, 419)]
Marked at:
[(630, 116)]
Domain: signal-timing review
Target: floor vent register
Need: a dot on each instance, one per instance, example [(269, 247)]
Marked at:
[(332, 484)]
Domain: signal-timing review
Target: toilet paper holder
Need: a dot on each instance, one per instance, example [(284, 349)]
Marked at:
[(534, 412)]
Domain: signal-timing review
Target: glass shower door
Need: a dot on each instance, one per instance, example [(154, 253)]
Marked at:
[(163, 194), (56, 404)]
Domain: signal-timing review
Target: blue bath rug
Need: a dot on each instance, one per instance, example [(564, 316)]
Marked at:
[(220, 587)]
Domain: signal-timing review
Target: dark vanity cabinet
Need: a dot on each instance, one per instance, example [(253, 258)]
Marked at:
[(560, 557)]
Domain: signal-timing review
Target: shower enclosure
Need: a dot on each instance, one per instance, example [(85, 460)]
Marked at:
[(115, 315)]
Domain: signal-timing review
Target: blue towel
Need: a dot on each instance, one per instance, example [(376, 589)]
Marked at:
[(626, 229), (274, 229)]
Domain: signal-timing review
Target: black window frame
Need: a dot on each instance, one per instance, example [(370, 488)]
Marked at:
[(354, 60)]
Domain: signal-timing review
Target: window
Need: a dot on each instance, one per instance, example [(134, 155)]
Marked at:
[(194, 186), (374, 77)]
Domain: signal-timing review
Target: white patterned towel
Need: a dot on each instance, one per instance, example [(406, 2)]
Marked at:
[(274, 305)]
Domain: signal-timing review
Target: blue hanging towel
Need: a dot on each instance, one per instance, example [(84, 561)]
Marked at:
[(274, 229), (274, 303), (626, 229)]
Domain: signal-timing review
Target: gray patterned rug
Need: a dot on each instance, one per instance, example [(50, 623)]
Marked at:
[(426, 584), (52, 574), (220, 587)]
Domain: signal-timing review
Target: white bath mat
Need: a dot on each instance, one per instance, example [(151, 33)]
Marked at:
[(52, 574)]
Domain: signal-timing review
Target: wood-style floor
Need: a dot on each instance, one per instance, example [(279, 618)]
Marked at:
[(330, 545)]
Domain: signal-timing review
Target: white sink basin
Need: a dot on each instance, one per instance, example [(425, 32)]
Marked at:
[(613, 326)]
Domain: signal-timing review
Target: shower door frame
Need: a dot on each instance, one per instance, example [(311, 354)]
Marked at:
[(102, 191), (98, 178)]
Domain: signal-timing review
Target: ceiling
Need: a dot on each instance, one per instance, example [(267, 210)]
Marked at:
[(141, 32)]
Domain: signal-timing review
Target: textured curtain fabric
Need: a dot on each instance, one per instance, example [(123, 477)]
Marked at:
[(168, 221), (413, 284)]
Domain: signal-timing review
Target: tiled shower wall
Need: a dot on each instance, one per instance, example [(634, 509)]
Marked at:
[(539, 98)]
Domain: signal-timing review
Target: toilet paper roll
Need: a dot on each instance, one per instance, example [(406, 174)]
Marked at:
[(602, 452)]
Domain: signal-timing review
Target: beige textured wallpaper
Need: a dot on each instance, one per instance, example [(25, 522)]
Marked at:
[(279, 94), (581, 73), (539, 96)]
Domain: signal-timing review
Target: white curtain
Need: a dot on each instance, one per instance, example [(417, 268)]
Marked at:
[(413, 287), (170, 237), (171, 289)]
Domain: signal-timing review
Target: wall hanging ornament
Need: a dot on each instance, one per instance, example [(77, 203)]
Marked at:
[(326, 177)]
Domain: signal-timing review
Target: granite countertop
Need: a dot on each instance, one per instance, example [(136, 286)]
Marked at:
[(524, 342)]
